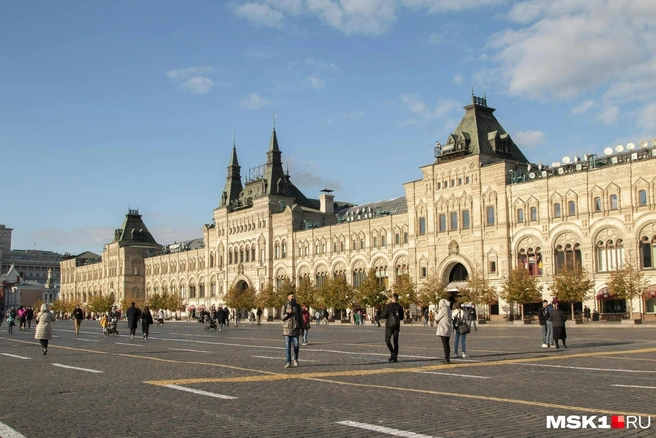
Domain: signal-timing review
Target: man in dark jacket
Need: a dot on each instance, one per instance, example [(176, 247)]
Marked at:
[(543, 316), (557, 318), (78, 316), (393, 315), (133, 314), (292, 323)]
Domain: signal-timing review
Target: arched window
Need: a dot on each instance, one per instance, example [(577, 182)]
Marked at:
[(531, 260), (557, 210), (642, 197), (610, 255), (648, 252), (567, 254), (276, 254), (534, 214), (571, 208)]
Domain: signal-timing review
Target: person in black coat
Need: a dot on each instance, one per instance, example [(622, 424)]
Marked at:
[(393, 315), (133, 314), (558, 318), (146, 321), (220, 318)]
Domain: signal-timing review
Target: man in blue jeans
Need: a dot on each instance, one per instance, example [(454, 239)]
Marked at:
[(291, 329), (545, 324)]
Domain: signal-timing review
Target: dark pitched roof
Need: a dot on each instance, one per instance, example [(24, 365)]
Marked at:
[(373, 210), (480, 133), (133, 231)]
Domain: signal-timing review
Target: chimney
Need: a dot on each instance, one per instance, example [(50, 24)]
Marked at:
[(326, 199)]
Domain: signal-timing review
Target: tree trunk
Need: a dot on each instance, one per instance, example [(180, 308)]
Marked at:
[(573, 316)]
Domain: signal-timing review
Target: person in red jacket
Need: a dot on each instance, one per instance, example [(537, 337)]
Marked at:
[(305, 313)]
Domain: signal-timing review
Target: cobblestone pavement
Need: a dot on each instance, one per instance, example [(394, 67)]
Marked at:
[(185, 381)]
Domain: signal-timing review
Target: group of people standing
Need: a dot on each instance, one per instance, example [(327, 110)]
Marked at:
[(24, 316), (552, 321)]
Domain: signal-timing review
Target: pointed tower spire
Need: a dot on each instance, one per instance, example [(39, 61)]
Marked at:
[(233, 185), (273, 172)]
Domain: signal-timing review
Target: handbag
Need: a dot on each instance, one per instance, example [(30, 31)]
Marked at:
[(464, 328)]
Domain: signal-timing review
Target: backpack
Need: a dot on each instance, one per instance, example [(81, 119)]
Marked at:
[(394, 317)]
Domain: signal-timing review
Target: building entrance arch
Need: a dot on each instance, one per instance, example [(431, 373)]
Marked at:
[(458, 273)]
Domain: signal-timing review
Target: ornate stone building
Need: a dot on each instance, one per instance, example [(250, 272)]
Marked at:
[(481, 205)]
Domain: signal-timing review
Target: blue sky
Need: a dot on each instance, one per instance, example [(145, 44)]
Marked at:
[(106, 106)]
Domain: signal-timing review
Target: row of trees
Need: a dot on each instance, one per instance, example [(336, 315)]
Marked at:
[(572, 284)]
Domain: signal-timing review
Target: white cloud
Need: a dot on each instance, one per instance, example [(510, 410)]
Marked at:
[(198, 85), (647, 119), (354, 115), (528, 138), (564, 48), (194, 79), (413, 103), (457, 79), (351, 17), (260, 53), (188, 72), (313, 82), (583, 107), (608, 115), (437, 6), (253, 101), (321, 64), (259, 14)]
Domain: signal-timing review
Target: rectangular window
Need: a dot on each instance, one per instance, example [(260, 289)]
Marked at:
[(557, 211), (405, 238), (454, 221), (341, 245), (465, 219), (534, 214), (442, 222), (493, 267), (572, 208), (422, 225), (397, 239), (375, 242), (613, 202), (490, 215), (597, 204), (423, 272), (383, 241), (648, 254), (355, 245), (642, 197), (361, 243), (520, 215), (335, 247)]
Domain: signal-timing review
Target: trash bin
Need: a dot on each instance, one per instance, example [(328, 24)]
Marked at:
[(595, 316)]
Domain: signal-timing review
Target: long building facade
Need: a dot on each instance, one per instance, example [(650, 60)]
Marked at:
[(480, 206)]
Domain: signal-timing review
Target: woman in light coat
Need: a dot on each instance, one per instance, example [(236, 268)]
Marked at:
[(44, 327), (444, 322)]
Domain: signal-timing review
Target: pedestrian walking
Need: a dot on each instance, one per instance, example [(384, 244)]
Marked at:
[(425, 317), (146, 321), (21, 315), (78, 316), (11, 319), (393, 315), (558, 318), (160, 317), (377, 317), (259, 316), (444, 321), (133, 314), (292, 320), (305, 313), (549, 335), (543, 316), (220, 318), (29, 315), (460, 329), (472, 317), (317, 316), (43, 330)]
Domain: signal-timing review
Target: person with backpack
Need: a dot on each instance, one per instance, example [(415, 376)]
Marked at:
[(393, 315), (460, 329)]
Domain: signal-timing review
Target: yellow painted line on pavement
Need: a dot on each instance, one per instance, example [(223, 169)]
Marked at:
[(277, 376), (554, 406)]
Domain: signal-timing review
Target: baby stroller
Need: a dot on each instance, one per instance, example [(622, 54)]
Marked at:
[(112, 326), (211, 324)]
